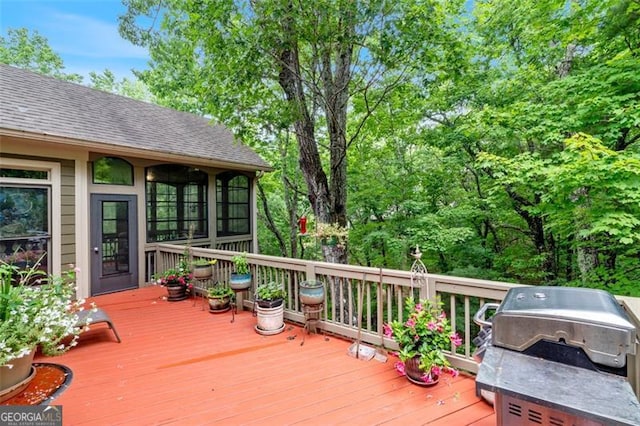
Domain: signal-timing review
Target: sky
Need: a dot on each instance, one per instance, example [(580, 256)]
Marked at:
[(83, 32)]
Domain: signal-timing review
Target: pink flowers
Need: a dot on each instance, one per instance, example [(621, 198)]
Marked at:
[(455, 339), (386, 330), (425, 335)]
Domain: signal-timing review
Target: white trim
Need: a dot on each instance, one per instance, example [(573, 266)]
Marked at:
[(54, 181), (254, 213), (82, 235)]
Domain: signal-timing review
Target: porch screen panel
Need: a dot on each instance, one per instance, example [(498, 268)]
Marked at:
[(176, 198), (232, 208)]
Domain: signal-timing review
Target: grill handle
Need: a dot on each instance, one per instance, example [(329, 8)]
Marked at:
[(478, 318)]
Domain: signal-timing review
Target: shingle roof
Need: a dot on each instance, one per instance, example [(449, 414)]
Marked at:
[(34, 103)]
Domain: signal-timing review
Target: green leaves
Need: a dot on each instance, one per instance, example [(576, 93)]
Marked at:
[(32, 52)]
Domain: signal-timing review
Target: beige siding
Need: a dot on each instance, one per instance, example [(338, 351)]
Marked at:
[(68, 193)]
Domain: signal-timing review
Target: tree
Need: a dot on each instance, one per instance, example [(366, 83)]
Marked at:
[(32, 52), (547, 71), (106, 81), (290, 64)]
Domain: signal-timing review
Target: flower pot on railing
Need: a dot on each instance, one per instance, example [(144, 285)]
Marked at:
[(202, 272), (311, 292), (239, 282)]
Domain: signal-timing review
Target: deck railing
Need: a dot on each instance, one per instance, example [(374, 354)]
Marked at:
[(359, 300)]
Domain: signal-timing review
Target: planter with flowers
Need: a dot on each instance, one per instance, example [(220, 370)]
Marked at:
[(423, 338), (32, 316), (177, 281)]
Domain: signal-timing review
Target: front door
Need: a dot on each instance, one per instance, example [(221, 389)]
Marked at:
[(114, 246)]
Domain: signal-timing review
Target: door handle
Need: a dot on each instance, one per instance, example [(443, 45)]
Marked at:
[(95, 249)]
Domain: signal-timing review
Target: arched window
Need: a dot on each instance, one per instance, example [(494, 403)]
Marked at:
[(112, 171), (232, 198), (176, 203)]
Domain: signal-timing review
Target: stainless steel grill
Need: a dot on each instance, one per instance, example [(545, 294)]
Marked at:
[(558, 357)]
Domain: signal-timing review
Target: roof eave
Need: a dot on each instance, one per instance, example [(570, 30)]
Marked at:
[(132, 151)]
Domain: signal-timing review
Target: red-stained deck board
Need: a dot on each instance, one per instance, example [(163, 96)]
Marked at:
[(178, 364)]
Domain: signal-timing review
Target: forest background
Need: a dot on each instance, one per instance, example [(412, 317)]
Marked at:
[(500, 137)]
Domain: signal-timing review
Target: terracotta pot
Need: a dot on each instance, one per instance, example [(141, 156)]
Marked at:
[(16, 378), (415, 375)]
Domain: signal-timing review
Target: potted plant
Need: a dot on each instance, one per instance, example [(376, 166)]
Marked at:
[(41, 315), (241, 277), (177, 281), (422, 339), (311, 292), (269, 301), (219, 298), (203, 268)]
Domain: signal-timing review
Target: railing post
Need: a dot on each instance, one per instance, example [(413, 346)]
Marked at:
[(428, 288), (310, 271)]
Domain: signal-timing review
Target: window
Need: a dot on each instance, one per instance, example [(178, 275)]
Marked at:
[(176, 203), (114, 171), (25, 212), (232, 207)]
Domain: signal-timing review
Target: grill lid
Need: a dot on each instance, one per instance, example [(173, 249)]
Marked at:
[(586, 318)]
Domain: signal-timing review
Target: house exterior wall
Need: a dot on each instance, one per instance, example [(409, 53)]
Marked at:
[(66, 201), (72, 188)]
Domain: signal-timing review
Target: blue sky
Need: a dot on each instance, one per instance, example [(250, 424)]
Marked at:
[(83, 32)]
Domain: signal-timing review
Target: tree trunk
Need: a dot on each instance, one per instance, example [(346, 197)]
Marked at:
[(328, 200)]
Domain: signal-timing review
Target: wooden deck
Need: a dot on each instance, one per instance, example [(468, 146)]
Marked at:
[(178, 364)]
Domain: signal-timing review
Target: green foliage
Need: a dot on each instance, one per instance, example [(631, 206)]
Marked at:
[(135, 89), (426, 333), (270, 291), (503, 140), (32, 52), (219, 291), (42, 315), (241, 264)]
